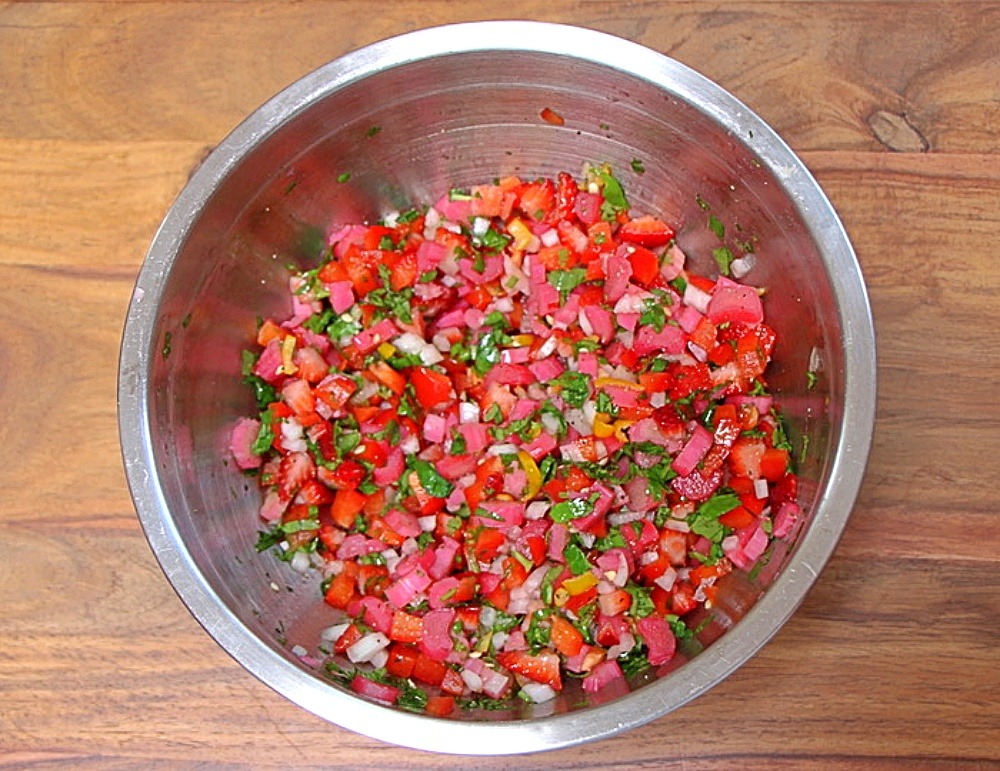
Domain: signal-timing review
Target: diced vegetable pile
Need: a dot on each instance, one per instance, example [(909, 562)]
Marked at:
[(518, 440)]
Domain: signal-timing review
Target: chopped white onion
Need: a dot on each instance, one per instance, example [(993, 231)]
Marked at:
[(441, 342), (625, 644), (479, 226), (333, 633), (300, 562), (390, 219), (536, 509), (367, 646), (431, 221), (550, 237), (499, 638), (546, 348), (743, 265), (502, 449), (698, 352), (666, 581), (409, 342), (677, 525), (410, 445), (760, 488), (471, 679), (427, 523), (487, 616), (503, 304), (430, 355), (648, 557), (409, 546), (621, 517), (550, 422), (380, 658), (696, 298), (299, 651), (657, 400), (585, 325), (538, 692), (587, 539), (468, 412)]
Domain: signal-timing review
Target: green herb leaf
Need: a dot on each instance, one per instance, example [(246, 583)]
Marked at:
[(432, 482), (638, 167), (614, 195), (567, 511), (576, 560), (705, 519), (567, 280), (268, 538), (716, 226), (265, 436), (575, 387), (723, 258)]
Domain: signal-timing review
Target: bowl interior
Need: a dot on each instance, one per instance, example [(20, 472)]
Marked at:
[(405, 130)]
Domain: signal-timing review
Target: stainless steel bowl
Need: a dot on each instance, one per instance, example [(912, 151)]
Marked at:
[(455, 106)]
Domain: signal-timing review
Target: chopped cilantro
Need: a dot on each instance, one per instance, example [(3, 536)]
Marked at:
[(723, 258), (654, 315), (705, 519), (576, 560), (566, 511), (265, 435), (614, 195), (344, 177), (567, 280), (716, 226), (373, 131), (575, 387), (268, 538), (432, 482), (638, 167), (811, 378)]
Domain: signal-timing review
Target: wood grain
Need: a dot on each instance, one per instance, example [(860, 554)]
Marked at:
[(891, 661)]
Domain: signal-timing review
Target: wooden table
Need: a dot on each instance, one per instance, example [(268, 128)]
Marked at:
[(893, 659)]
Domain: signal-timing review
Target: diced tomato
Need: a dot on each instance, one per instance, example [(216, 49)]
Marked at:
[(646, 231), (486, 544), (738, 518), (440, 706), (537, 199), (543, 668), (514, 573), (428, 670), (402, 659), (346, 476), (382, 373), (342, 588), (774, 464), (682, 600), (347, 504), (433, 388), (406, 628), (565, 637), (347, 638), (362, 269), (645, 265)]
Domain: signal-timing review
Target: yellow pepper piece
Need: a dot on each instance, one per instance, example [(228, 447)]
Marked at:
[(386, 350), (560, 597), (617, 382), (532, 472), (521, 232), (579, 584), (602, 427), (619, 427), (521, 341), (287, 349)]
